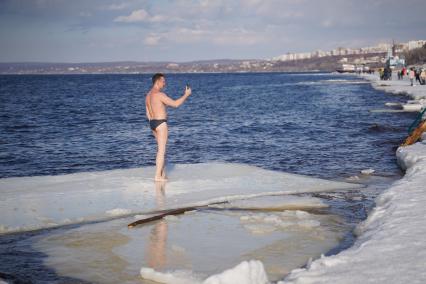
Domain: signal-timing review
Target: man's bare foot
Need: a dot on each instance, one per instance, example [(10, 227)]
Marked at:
[(160, 179)]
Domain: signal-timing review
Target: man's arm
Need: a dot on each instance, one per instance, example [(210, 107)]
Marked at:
[(148, 115), (175, 103)]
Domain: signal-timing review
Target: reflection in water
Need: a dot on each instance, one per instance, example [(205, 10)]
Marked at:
[(156, 251), (160, 194)]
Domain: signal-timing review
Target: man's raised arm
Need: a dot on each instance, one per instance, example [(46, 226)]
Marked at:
[(175, 103)]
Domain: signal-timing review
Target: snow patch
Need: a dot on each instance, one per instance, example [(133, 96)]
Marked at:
[(262, 223), (118, 212), (173, 277), (247, 272), (367, 171)]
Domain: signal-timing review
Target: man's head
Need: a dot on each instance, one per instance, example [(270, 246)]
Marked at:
[(158, 80)]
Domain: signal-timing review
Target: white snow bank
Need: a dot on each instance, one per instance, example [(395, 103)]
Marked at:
[(390, 247), (29, 203), (247, 272), (408, 157)]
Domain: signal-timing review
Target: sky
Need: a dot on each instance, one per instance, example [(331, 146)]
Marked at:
[(187, 30)]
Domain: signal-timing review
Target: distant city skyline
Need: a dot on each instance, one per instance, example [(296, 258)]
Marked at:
[(189, 30), (341, 51)]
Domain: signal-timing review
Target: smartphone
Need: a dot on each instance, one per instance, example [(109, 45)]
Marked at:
[(188, 86)]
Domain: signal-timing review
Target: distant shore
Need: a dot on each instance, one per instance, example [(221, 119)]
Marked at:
[(319, 64)]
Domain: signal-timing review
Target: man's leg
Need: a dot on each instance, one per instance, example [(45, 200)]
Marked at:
[(156, 139), (161, 136)]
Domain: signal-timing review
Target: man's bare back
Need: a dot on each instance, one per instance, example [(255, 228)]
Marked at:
[(156, 103), (156, 109)]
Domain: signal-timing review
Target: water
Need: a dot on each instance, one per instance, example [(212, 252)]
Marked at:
[(314, 124)]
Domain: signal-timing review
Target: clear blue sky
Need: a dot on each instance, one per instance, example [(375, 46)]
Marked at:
[(185, 30)]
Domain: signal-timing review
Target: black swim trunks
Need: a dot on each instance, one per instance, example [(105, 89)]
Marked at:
[(154, 123)]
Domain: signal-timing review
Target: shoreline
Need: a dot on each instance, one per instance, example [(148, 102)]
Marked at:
[(389, 246), (417, 93)]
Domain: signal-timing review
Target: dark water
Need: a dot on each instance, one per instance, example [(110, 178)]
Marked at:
[(300, 123)]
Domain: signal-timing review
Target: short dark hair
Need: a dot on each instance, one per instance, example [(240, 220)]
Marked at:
[(156, 77)]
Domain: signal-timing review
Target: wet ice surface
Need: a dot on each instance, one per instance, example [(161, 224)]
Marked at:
[(280, 219), (267, 203), (202, 243)]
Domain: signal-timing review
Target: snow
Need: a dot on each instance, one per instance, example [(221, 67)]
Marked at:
[(401, 87), (247, 272), (177, 277), (118, 212), (261, 223), (367, 171)]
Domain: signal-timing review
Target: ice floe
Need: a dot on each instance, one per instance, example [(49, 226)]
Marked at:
[(29, 203)]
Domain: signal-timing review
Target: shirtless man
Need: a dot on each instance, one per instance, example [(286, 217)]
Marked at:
[(156, 103)]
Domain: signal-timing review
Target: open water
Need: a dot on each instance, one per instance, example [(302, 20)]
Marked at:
[(315, 124)]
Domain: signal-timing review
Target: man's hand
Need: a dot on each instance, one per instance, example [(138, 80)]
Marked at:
[(188, 91)]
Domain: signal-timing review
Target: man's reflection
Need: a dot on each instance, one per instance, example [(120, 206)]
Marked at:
[(157, 240)]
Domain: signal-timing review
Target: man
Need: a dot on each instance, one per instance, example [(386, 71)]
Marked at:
[(156, 103), (411, 75), (423, 77)]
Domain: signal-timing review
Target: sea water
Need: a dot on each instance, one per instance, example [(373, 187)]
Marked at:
[(314, 124)]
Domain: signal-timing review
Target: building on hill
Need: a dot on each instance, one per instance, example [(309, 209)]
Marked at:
[(413, 44)]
